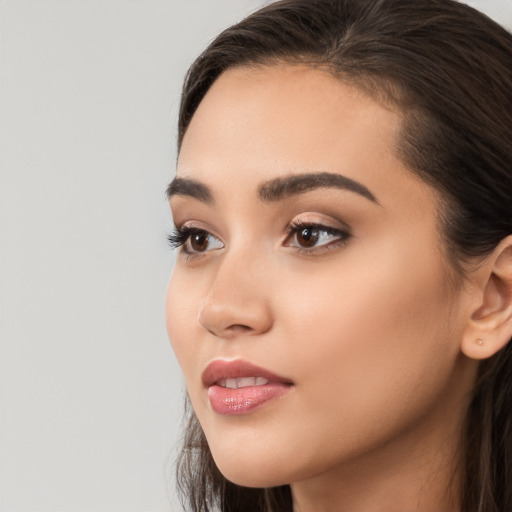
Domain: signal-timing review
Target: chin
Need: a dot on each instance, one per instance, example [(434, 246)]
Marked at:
[(252, 477), (247, 471)]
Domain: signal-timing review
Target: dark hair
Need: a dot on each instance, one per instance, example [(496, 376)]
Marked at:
[(448, 70)]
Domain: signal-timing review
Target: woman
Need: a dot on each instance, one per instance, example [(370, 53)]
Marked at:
[(341, 304)]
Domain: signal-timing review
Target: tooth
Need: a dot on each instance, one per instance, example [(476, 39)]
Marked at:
[(261, 381), (243, 382), (231, 383), (222, 383)]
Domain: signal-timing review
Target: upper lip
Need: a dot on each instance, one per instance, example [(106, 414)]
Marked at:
[(234, 369)]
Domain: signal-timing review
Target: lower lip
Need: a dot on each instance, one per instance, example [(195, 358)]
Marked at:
[(228, 401)]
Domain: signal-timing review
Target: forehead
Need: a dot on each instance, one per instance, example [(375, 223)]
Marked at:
[(281, 118), (258, 124)]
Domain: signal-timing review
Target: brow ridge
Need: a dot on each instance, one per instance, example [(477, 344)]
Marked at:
[(277, 188), (283, 187), (189, 187)]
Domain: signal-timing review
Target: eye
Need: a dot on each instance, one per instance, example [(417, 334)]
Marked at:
[(194, 240), (310, 236)]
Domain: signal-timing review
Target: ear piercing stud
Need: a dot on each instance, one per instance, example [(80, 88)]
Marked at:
[(480, 342)]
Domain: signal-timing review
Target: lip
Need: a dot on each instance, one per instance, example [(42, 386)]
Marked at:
[(243, 400), (237, 368)]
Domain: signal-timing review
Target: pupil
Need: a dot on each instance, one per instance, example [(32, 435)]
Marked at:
[(308, 237), (199, 241)]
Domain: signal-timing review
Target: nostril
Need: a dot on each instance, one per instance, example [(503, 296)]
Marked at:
[(232, 331), (240, 328)]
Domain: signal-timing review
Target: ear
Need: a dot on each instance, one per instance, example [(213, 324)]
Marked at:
[(489, 327)]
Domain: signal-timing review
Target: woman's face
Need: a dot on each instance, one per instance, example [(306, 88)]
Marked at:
[(311, 270)]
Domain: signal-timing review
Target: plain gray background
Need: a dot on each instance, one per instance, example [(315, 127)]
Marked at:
[(90, 391)]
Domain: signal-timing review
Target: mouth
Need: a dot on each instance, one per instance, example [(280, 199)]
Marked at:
[(238, 387), (242, 382)]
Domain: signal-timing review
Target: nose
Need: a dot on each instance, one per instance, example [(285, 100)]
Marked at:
[(237, 302)]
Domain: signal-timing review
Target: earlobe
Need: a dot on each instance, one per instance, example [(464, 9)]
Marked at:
[(489, 328)]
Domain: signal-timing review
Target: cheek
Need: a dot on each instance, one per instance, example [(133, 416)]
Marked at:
[(181, 309), (365, 300), (372, 343)]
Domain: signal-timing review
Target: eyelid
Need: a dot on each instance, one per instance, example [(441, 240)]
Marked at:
[(181, 234), (319, 220), (341, 233), (193, 225)]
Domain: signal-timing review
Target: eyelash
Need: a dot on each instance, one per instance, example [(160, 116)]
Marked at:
[(181, 234), (296, 226)]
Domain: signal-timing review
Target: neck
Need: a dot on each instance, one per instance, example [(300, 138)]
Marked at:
[(420, 480)]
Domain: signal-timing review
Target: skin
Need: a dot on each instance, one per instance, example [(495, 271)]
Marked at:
[(368, 327)]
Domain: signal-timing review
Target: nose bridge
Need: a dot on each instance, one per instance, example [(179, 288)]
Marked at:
[(237, 300)]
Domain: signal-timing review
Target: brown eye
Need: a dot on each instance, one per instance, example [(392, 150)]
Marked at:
[(192, 240), (199, 241), (308, 237)]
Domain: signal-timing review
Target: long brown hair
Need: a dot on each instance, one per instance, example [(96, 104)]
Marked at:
[(448, 69)]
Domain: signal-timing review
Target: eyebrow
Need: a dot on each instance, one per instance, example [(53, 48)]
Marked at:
[(281, 188), (277, 188), (191, 188)]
